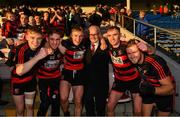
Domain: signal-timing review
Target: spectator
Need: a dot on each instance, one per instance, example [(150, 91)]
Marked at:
[(9, 26), (46, 22), (57, 20), (31, 21), (128, 23), (4, 45), (95, 18), (21, 30), (105, 13), (68, 17), (120, 17), (77, 19), (142, 30), (161, 9), (166, 10), (38, 21)]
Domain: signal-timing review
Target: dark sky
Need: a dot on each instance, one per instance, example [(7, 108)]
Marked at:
[(81, 2), (55, 2)]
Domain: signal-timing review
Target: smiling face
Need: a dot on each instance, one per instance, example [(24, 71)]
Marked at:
[(77, 36), (94, 34), (134, 54), (113, 36), (34, 39), (54, 40)]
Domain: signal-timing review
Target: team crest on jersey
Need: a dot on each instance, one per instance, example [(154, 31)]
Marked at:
[(114, 53), (52, 57), (116, 60), (54, 96), (59, 55), (73, 47), (51, 64), (119, 52), (78, 55), (144, 71)]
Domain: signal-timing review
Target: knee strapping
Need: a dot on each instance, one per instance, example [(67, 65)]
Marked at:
[(29, 101)]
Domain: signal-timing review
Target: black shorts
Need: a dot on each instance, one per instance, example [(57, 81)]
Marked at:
[(122, 86), (49, 86), (21, 88), (163, 103), (74, 77)]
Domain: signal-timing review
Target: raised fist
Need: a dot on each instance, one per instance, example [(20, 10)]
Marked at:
[(44, 52)]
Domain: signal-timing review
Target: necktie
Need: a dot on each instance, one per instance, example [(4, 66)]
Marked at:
[(92, 48)]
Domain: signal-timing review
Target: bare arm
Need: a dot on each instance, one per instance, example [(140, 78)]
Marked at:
[(103, 44), (59, 17), (21, 69), (166, 87), (5, 50), (52, 20)]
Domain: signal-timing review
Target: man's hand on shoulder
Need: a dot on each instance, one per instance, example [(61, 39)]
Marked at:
[(103, 44), (44, 52), (145, 47)]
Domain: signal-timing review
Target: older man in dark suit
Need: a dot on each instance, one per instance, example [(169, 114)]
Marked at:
[(96, 74)]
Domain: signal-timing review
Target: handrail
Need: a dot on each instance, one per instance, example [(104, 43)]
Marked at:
[(151, 25), (156, 37)]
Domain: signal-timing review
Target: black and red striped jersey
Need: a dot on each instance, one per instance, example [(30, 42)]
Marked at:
[(9, 29), (49, 67), (74, 55), (23, 54), (123, 69), (154, 68)]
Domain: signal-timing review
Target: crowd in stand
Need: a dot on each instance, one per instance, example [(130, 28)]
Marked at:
[(38, 55)]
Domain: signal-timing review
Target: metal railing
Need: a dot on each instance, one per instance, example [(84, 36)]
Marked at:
[(162, 39)]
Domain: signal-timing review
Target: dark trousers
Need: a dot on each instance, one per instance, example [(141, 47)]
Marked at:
[(95, 99), (49, 95), (1, 87)]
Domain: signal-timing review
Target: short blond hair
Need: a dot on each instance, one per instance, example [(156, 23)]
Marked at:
[(77, 28), (34, 30)]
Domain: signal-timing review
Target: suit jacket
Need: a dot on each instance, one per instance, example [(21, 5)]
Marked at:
[(96, 66)]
